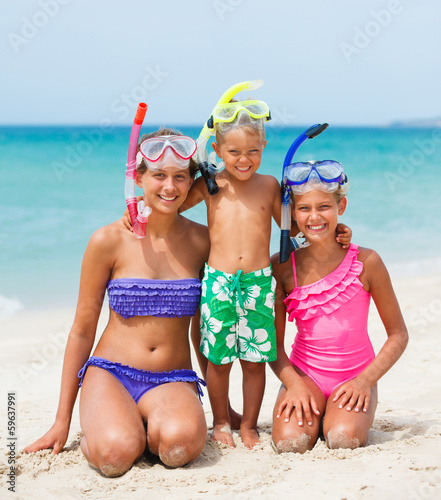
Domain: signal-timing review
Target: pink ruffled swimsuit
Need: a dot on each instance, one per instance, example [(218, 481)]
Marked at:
[(332, 344)]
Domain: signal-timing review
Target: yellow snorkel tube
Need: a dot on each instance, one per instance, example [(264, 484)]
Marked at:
[(209, 169)]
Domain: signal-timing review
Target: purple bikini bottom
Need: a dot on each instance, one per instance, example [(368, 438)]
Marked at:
[(138, 382)]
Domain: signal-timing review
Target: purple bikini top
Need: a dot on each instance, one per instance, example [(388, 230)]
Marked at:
[(131, 297)]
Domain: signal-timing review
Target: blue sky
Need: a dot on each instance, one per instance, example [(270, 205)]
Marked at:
[(89, 62)]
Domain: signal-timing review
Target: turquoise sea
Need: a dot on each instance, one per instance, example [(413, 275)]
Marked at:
[(59, 184)]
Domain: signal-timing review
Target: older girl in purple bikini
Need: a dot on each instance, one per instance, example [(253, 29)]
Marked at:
[(138, 389)]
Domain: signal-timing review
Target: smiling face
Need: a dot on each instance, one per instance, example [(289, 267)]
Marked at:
[(165, 189), (316, 214), (241, 151)]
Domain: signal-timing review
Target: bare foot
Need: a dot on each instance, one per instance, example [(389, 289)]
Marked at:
[(222, 434), (250, 437), (235, 418)]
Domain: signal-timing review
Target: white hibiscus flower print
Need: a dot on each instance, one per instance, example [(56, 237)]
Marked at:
[(230, 339), (209, 325), (221, 289), (249, 295), (204, 348), (267, 271), (204, 288), (256, 343), (269, 300)]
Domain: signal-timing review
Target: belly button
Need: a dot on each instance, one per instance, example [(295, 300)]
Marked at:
[(152, 349)]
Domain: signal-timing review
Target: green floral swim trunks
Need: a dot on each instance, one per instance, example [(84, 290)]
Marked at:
[(237, 316)]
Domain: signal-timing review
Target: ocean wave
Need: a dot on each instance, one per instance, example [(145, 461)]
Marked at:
[(9, 306)]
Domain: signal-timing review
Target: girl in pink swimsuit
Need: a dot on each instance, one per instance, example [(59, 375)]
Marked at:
[(331, 375)]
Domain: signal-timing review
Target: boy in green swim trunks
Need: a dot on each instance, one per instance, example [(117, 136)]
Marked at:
[(237, 304), (237, 320)]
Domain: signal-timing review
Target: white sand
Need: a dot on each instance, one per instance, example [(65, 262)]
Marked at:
[(402, 459)]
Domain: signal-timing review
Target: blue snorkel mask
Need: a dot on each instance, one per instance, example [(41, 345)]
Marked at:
[(286, 246), (304, 176)]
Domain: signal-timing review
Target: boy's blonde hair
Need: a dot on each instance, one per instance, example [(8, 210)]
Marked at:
[(260, 132)]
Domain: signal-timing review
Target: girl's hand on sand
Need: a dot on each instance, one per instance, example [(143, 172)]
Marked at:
[(344, 235), (354, 395), (300, 400), (55, 438), (126, 220)]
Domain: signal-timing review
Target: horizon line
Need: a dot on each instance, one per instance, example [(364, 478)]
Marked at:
[(429, 123)]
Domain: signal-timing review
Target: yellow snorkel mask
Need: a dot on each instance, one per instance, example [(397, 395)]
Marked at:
[(226, 112)]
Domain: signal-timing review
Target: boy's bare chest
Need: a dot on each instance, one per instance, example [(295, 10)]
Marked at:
[(254, 205)]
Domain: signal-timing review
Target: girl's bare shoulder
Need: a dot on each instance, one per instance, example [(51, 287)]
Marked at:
[(109, 237), (374, 272), (196, 234), (369, 257)]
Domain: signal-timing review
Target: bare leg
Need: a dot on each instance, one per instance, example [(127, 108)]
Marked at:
[(291, 437), (348, 429), (235, 418), (113, 430), (217, 385), (176, 427), (195, 334), (253, 389)]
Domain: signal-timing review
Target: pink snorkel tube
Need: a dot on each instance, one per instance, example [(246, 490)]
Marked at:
[(138, 212)]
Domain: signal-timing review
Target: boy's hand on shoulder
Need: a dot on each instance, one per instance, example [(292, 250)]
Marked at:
[(198, 193), (344, 235), (126, 220)]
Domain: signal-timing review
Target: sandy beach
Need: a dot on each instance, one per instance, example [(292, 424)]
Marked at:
[(402, 459)]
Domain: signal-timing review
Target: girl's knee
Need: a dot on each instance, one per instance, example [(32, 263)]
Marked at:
[(176, 455), (345, 436), (180, 452), (114, 453), (287, 441), (181, 443), (299, 444)]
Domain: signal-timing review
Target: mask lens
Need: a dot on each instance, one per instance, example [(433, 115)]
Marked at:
[(225, 112), (183, 146), (329, 170), (297, 173), (256, 109), (153, 148)]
